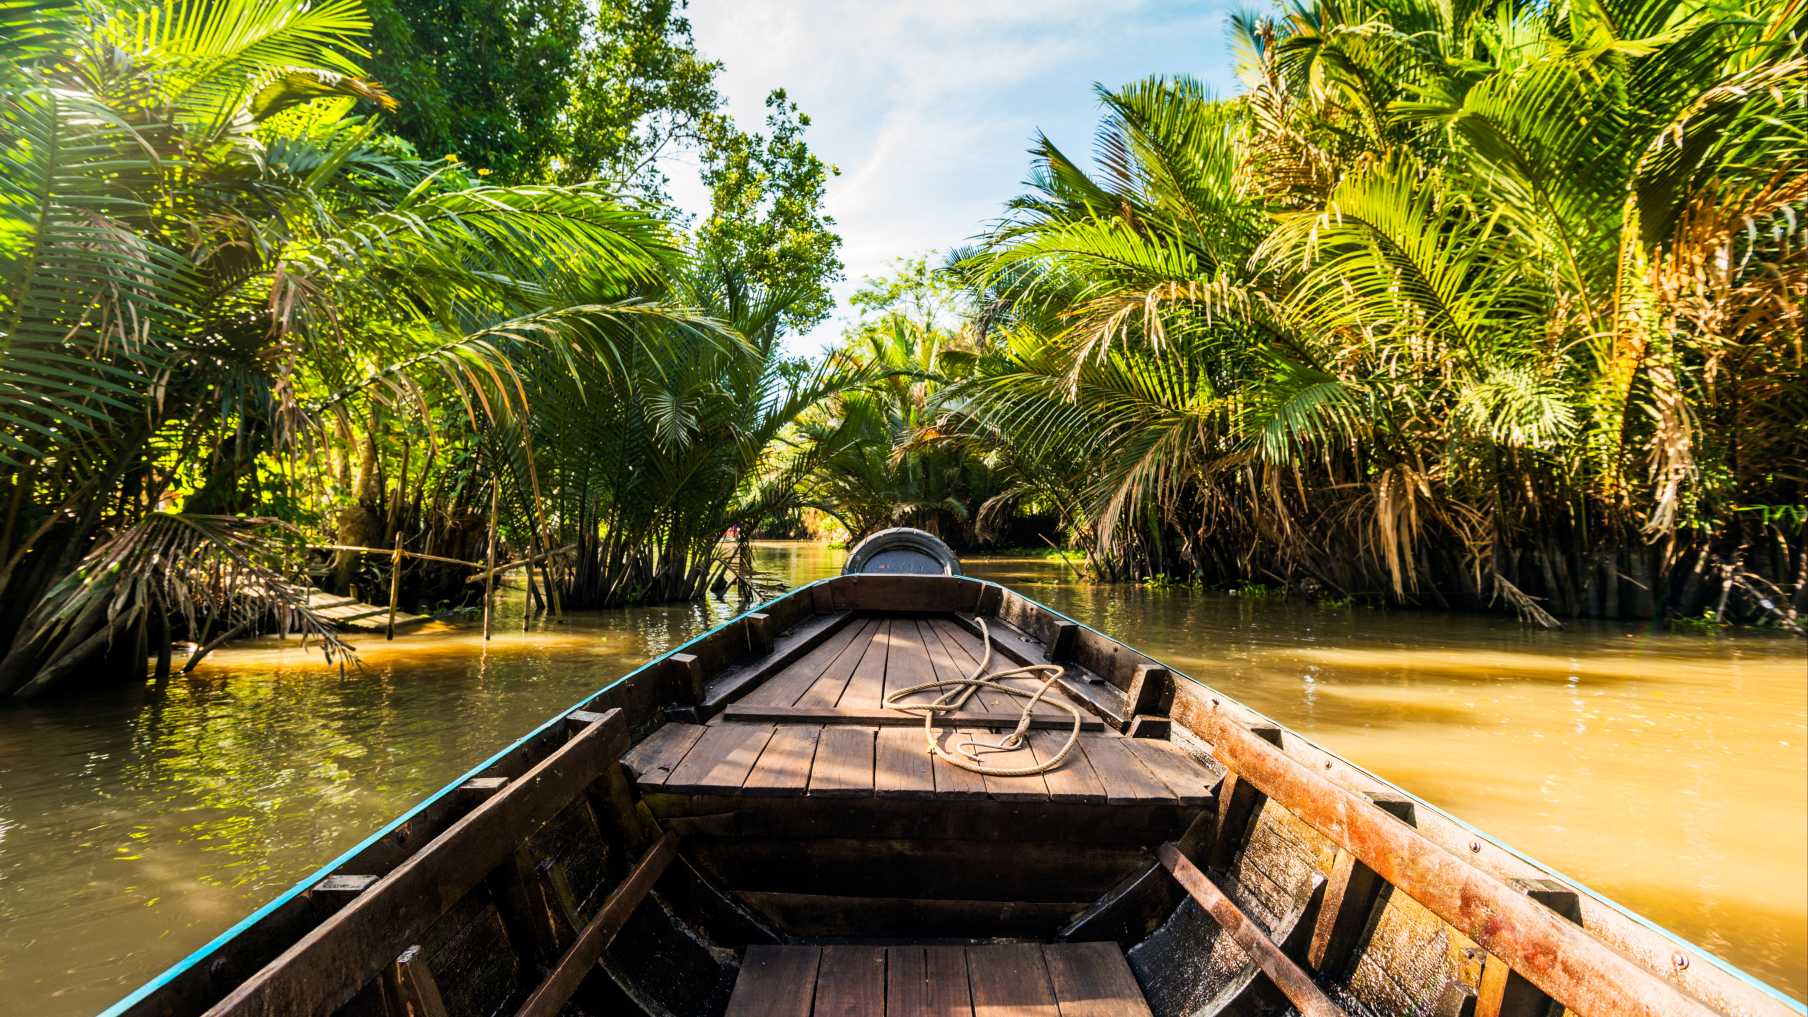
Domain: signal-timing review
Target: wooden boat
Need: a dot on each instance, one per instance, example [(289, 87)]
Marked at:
[(742, 826)]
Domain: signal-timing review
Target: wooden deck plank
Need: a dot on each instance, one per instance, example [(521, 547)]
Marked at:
[(901, 767), (658, 754), (1010, 789), (1073, 780), (927, 981), (720, 760), (826, 690), (866, 686), (784, 766), (786, 687), (844, 762), (1093, 980), (960, 655), (908, 663), (1125, 778), (850, 982), (963, 654), (1189, 779), (775, 981), (1010, 980), (949, 662), (967, 645), (951, 781), (891, 718)]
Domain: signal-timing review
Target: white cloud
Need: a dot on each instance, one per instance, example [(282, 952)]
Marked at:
[(928, 106)]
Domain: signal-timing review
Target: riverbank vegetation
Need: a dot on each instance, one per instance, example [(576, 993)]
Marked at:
[(1491, 306), (245, 326)]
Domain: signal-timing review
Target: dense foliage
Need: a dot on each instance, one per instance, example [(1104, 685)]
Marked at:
[(546, 89), (877, 463), (239, 320), (1472, 303)]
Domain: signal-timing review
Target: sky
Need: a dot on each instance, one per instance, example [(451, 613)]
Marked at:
[(929, 107)]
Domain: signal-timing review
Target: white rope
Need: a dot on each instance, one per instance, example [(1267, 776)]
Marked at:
[(955, 692)]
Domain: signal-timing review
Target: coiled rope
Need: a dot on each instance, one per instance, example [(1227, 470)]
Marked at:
[(955, 692)]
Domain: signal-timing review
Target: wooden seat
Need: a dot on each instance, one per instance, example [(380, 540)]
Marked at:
[(1027, 979)]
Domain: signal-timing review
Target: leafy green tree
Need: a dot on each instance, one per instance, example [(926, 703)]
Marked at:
[(766, 211), (879, 463), (1456, 304), (538, 90), (209, 268)]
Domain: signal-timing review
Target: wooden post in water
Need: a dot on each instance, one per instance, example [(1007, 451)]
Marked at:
[(395, 584), (489, 564)]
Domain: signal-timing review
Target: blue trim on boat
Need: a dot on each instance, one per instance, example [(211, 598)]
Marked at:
[(175, 970), (252, 919)]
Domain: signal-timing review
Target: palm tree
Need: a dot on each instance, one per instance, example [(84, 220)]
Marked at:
[(1497, 296), (210, 266)]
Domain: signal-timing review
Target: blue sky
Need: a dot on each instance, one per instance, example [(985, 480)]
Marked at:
[(929, 106)]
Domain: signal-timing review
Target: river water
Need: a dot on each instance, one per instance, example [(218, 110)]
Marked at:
[(1669, 771)]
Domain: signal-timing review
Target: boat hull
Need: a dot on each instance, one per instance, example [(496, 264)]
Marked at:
[(750, 792)]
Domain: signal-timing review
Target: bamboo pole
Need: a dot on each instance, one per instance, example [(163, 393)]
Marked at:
[(395, 584), (489, 567), (505, 567), (406, 554)]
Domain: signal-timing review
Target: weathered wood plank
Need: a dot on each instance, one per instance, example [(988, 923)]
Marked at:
[(410, 988), (784, 767), (1028, 788), (1559, 957), (936, 868), (897, 718), (1093, 980), (1503, 992), (1073, 780), (822, 916), (776, 981), (844, 763), (720, 760), (580, 959), (1190, 779), (1125, 778), (904, 593), (953, 782), (927, 981), (1350, 895), (788, 685), (826, 690), (902, 764), (907, 664), (1010, 980), (658, 754), (866, 686), (326, 967), (810, 817), (850, 981), (1294, 983)]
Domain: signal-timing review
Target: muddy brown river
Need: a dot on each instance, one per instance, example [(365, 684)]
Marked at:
[(1669, 771)]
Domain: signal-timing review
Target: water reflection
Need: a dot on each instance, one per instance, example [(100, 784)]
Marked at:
[(136, 824)]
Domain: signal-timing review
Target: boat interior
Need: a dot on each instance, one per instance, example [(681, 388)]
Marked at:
[(751, 824)]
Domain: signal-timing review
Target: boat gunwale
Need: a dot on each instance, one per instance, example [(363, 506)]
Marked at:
[(149, 988)]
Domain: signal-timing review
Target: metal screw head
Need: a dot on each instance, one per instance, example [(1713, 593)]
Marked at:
[(1475, 846), (1680, 959)]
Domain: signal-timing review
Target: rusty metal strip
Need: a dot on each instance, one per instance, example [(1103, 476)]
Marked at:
[(1294, 983), (1560, 958)]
